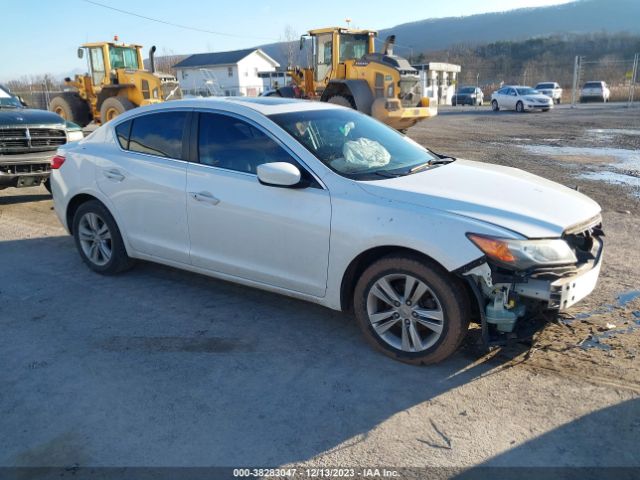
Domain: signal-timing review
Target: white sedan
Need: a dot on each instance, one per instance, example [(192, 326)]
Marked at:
[(520, 99), (325, 204)]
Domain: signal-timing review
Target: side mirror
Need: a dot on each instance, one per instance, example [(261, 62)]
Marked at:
[(80, 52), (279, 174)]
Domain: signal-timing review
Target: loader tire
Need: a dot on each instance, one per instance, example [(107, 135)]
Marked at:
[(114, 106), (342, 101), (71, 107)]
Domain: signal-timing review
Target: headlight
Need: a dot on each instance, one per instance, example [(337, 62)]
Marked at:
[(74, 135), (524, 254)]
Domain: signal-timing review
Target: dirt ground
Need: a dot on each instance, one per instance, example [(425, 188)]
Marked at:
[(164, 368), (599, 339)]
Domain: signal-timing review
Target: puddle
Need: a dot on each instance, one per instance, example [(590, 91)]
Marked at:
[(625, 163), (611, 132), (627, 297)]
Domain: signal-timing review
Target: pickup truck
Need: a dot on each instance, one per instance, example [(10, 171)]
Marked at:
[(28, 140)]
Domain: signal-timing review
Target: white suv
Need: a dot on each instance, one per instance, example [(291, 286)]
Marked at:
[(323, 203), (595, 91), (550, 89)]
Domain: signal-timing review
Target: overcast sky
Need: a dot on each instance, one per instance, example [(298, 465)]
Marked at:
[(39, 37)]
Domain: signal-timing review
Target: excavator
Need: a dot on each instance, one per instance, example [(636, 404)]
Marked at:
[(346, 70), (116, 82)]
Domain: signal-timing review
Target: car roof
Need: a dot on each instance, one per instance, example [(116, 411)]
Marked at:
[(263, 105)]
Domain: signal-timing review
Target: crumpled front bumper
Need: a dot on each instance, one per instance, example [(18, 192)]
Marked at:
[(565, 292)]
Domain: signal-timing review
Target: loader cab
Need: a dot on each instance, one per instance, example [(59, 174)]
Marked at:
[(334, 46), (104, 58)]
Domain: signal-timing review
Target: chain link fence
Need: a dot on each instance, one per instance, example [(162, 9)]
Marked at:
[(620, 75)]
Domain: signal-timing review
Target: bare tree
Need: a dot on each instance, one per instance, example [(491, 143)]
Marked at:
[(290, 45)]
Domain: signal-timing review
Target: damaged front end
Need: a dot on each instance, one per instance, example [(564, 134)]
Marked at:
[(514, 277)]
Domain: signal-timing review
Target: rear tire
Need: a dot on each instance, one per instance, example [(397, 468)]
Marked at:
[(494, 106), (114, 106), (425, 318), (98, 239), (342, 101), (71, 107), (47, 184)]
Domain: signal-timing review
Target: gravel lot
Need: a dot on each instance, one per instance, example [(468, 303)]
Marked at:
[(159, 367)]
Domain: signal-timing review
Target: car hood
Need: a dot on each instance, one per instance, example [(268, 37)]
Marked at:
[(25, 116), (508, 197)]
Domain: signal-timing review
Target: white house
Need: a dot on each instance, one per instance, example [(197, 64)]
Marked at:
[(438, 80), (225, 73)]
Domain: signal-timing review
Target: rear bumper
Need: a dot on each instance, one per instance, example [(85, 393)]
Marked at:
[(25, 170)]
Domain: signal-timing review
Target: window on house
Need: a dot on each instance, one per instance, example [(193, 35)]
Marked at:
[(230, 71)]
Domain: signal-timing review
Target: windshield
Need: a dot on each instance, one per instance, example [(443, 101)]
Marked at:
[(467, 90), (545, 85), (123, 57), (526, 91), (8, 100), (353, 46), (355, 145)]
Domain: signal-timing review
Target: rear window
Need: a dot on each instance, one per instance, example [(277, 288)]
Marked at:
[(545, 85), (122, 132), (158, 134), (593, 85)]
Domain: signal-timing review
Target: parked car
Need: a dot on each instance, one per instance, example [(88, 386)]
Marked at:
[(28, 140), (468, 96), (595, 91), (550, 89), (326, 204), (520, 99)]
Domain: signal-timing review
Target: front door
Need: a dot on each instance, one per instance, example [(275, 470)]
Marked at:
[(239, 227)]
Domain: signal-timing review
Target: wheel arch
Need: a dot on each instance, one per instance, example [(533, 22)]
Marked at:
[(366, 258), (357, 89), (363, 260)]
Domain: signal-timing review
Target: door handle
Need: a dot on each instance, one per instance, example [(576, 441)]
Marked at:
[(113, 175), (205, 197)]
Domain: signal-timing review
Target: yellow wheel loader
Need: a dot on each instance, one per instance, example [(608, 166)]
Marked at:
[(346, 70), (116, 82)]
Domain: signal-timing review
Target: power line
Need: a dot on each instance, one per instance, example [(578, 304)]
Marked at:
[(186, 27)]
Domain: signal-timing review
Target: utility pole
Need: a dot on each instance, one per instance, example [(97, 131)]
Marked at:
[(632, 83), (576, 73)]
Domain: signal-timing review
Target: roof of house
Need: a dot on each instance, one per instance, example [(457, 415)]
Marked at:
[(220, 58)]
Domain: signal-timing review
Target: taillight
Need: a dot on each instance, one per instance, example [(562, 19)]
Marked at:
[(56, 162)]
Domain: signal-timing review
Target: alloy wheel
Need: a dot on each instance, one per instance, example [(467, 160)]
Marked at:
[(95, 238), (405, 313)]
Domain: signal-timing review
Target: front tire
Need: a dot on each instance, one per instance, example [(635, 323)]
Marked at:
[(411, 311), (494, 105), (71, 107), (519, 107), (114, 106), (98, 239), (342, 101)]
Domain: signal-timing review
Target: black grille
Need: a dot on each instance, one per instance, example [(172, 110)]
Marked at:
[(25, 140)]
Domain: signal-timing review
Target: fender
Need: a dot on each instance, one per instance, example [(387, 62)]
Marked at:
[(358, 89)]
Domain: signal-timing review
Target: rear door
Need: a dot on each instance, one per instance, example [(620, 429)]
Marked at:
[(239, 227), (145, 178)]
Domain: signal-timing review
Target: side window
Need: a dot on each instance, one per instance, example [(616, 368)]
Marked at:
[(158, 134), (122, 132), (227, 142)]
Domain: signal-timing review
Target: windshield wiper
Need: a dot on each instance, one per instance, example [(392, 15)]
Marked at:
[(8, 106), (384, 173)]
